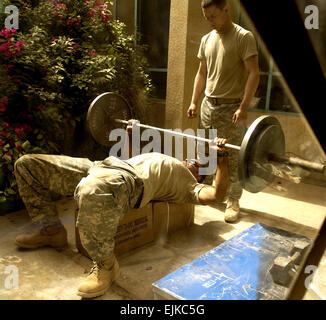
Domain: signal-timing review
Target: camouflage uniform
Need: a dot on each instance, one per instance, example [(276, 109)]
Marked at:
[(219, 117), (104, 192)]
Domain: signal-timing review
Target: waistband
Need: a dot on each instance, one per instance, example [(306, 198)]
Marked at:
[(218, 101)]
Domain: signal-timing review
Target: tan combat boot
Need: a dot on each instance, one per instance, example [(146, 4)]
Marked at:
[(232, 211), (99, 279), (52, 236)]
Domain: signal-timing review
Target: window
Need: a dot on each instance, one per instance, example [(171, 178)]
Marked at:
[(152, 22)]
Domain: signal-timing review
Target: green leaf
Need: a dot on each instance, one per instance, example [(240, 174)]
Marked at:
[(26, 145), (11, 191), (7, 158), (37, 150)]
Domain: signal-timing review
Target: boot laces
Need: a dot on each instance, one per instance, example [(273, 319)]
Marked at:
[(95, 269), (97, 266), (232, 203)]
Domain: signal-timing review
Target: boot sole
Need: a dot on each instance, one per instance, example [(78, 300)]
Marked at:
[(30, 246), (99, 292)]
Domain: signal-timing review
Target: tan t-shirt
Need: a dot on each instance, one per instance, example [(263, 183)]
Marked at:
[(225, 54), (165, 179)]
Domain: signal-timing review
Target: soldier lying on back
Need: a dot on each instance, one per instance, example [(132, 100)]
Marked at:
[(105, 191)]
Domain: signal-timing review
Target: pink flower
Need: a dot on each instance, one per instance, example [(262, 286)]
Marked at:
[(19, 148), (6, 125), (41, 108), (100, 4), (76, 46), (4, 100), (2, 142), (7, 154), (92, 53), (19, 131), (5, 46), (106, 18), (69, 22), (27, 128), (10, 67), (60, 6), (19, 44), (7, 33), (3, 133), (2, 107)]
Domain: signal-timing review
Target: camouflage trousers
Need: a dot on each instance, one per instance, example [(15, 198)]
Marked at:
[(103, 196), (219, 118)]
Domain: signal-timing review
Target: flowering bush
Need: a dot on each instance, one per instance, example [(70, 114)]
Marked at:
[(63, 55)]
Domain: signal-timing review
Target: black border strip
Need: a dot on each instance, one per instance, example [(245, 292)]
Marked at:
[(281, 26)]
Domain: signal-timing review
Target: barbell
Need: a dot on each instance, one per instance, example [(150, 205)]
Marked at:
[(263, 144)]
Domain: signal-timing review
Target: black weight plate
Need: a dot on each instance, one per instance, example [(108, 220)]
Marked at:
[(102, 113), (270, 140), (252, 152)]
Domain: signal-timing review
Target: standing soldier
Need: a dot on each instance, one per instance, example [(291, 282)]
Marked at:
[(229, 74)]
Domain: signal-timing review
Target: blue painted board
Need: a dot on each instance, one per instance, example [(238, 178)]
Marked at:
[(238, 269)]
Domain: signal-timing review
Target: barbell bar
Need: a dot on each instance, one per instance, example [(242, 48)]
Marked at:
[(271, 156), (184, 135), (262, 146)]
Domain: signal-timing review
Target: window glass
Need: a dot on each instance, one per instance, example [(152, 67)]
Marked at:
[(280, 101), (153, 20)]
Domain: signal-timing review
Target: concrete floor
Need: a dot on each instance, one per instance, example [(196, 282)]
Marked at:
[(46, 274)]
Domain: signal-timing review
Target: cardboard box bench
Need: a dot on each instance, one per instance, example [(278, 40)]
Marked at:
[(141, 226)]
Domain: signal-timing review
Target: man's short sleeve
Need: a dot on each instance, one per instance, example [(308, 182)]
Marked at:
[(248, 46), (197, 189), (201, 51)]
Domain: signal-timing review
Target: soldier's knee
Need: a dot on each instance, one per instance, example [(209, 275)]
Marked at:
[(22, 162), (85, 188)]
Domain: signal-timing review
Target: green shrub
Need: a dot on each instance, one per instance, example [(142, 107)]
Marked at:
[(63, 55)]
